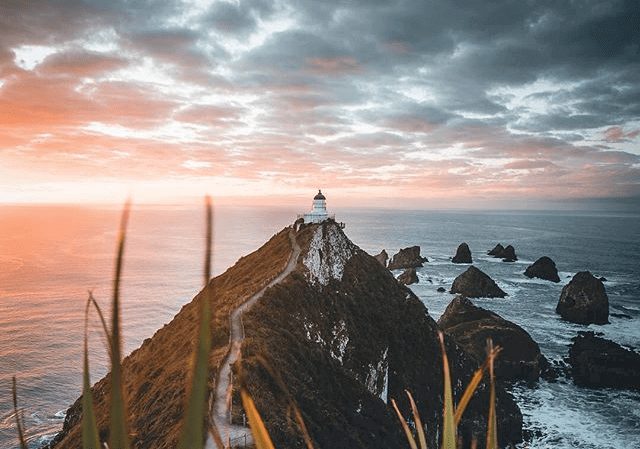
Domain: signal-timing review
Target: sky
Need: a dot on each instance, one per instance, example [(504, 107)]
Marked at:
[(391, 103)]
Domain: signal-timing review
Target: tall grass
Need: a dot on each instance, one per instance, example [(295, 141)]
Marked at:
[(90, 435), (118, 430)]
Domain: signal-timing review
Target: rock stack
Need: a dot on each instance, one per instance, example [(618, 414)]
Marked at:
[(584, 300), (463, 254), (407, 258), (474, 283)]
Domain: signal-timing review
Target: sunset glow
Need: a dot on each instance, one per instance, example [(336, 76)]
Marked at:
[(259, 101)]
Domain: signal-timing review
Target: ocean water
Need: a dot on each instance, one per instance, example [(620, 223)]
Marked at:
[(51, 256)]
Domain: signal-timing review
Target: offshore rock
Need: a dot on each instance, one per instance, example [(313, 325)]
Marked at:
[(407, 258), (474, 283), (509, 254), (471, 326), (496, 251), (408, 277), (463, 254), (584, 300), (543, 268), (382, 257), (597, 362)]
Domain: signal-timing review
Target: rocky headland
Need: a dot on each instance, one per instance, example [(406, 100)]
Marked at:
[(340, 331)]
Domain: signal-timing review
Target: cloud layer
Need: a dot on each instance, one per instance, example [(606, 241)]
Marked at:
[(421, 100)]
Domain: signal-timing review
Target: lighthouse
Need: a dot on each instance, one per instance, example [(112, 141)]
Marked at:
[(318, 212)]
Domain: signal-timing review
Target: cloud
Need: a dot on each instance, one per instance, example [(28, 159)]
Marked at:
[(502, 99)]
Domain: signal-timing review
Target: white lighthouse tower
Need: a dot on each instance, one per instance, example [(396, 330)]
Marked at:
[(318, 212)]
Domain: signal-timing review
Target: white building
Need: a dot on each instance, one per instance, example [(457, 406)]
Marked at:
[(318, 212)]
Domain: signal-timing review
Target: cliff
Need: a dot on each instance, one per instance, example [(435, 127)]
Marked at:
[(340, 331), (346, 337), (155, 374)]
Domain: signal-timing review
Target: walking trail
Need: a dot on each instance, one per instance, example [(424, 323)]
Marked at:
[(222, 398)]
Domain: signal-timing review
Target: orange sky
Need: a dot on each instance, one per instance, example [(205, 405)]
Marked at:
[(258, 104)]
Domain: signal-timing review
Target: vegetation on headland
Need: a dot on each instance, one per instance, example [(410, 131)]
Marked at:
[(193, 427)]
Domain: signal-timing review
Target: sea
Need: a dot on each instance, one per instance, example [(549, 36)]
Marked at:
[(52, 256)]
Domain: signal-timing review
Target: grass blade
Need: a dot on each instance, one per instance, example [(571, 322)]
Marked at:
[(468, 392), (449, 424), (260, 434), (18, 415), (103, 322), (473, 385), (118, 432), (90, 436), (418, 421), (193, 434), (208, 239), (405, 426), (492, 430)]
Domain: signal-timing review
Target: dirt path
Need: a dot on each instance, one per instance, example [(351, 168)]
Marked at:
[(222, 398)]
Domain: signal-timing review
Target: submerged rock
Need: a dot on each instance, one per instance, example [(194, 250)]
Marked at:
[(597, 362), (496, 251), (471, 326), (382, 257), (408, 277), (407, 258), (543, 268), (463, 254), (474, 283), (441, 289), (584, 300)]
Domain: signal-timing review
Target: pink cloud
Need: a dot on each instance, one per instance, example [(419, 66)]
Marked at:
[(617, 134)]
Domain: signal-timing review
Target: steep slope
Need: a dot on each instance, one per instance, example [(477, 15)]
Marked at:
[(345, 337), (156, 373)]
